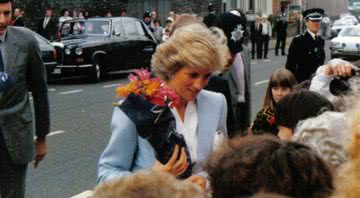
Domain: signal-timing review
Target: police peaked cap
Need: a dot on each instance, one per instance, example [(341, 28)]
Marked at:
[(314, 14), (147, 14)]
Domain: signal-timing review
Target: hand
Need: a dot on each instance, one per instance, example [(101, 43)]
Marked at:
[(41, 150), (174, 166), (198, 180), (338, 67)]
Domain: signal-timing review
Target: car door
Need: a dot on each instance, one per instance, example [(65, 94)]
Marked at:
[(147, 44), (132, 46), (119, 46)]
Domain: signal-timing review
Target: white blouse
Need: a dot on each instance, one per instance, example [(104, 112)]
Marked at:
[(188, 128)]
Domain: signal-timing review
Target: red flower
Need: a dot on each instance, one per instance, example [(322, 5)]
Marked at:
[(272, 120), (153, 89)]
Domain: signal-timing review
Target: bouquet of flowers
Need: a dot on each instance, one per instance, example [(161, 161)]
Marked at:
[(147, 103)]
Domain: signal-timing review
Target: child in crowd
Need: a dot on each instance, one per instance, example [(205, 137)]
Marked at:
[(297, 106), (281, 83)]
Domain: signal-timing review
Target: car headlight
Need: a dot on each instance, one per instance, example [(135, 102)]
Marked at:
[(78, 51), (67, 51)]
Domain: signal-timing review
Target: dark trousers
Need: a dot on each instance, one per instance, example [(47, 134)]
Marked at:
[(280, 41), (242, 119), (265, 42), (12, 176), (259, 47), (253, 48)]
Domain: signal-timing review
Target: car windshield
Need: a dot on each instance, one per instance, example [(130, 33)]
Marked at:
[(351, 31), (87, 27), (346, 21)]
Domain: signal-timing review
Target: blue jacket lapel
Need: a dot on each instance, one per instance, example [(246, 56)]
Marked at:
[(203, 138)]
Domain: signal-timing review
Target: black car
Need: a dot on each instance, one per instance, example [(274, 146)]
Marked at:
[(96, 46), (48, 53)]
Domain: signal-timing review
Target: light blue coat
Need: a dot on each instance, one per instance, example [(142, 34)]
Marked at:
[(128, 152)]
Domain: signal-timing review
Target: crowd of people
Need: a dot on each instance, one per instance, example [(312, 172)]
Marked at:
[(304, 141)]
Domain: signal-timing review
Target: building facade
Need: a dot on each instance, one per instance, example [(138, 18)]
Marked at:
[(136, 8)]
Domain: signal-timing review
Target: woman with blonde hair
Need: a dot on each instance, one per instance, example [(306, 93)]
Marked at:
[(184, 62)]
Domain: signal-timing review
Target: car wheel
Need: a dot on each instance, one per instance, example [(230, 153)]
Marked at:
[(95, 72)]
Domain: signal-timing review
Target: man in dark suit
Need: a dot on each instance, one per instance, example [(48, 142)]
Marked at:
[(306, 52), (256, 39), (20, 61), (47, 26), (19, 18), (237, 76), (281, 34), (209, 19)]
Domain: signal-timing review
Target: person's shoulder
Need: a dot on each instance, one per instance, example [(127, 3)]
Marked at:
[(20, 31), (22, 35), (298, 37), (211, 95)]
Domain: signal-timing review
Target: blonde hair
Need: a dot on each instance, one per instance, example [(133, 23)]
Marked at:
[(192, 45), (184, 20), (220, 35), (147, 184), (348, 179)]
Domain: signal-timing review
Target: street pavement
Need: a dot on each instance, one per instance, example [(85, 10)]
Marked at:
[(80, 130)]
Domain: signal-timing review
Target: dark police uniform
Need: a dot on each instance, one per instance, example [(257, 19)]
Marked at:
[(306, 54)]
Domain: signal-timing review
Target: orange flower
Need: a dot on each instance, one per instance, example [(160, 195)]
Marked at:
[(150, 88)]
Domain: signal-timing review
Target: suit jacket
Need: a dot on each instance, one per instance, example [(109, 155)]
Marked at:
[(305, 56), (49, 31), (255, 34), (218, 83), (24, 63), (242, 115), (127, 151), (281, 29), (19, 21)]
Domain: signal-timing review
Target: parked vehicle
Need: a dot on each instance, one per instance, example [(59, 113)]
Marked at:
[(96, 46), (343, 22), (48, 53), (347, 44)]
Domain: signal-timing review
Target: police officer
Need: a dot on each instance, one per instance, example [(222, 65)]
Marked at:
[(306, 52), (209, 19)]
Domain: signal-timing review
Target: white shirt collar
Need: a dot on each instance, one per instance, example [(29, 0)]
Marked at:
[(312, 34)]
